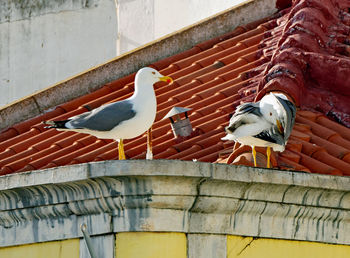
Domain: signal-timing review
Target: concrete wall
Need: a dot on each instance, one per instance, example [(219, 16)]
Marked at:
[(44, 42), (156, 18)]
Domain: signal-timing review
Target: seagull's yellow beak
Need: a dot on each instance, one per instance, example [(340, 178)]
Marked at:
[(166, 79), (280, 127)]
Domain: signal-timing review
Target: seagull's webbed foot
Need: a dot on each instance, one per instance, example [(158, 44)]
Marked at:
[(121, 150)]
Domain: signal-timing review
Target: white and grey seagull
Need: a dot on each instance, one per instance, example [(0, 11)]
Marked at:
[(267, 123), (123, 119)]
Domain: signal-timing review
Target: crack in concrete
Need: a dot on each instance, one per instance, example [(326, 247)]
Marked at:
[(197, 194), (259, 225), (246, 246)]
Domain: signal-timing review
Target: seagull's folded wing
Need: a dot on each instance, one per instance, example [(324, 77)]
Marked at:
[(104, 118), (247, 121), (245, 114)]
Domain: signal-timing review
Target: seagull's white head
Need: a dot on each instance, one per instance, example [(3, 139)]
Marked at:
[(149, 76), (278, 110), (270, 109)]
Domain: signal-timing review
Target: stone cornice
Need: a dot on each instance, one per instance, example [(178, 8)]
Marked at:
[(169, 195)]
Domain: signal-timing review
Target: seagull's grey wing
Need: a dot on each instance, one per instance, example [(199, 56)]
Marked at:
[(249, 107), (271, 135), (104, 118), (245, 114), (289, 112)]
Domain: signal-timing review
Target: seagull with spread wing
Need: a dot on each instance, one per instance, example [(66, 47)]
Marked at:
[(267, 123)]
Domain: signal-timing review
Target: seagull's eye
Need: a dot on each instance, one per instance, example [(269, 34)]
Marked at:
[(270, 114), (154, 72)]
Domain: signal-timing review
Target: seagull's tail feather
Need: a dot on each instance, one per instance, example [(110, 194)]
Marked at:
[(56, 124), (228, 137)]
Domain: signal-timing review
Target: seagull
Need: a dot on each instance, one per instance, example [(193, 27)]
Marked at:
[(123, 119), (266, 123)]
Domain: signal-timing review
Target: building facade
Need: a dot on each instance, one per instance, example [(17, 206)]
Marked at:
[(185, 203), (43, 43)]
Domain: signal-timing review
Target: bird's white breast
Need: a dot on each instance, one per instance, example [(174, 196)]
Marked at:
[(253, 141), (141, 122), (145, 107)]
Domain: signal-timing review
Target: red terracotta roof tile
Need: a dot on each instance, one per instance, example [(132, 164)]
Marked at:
[(341, 130), (8, 134), (191, 60), (164, 63), (290, 156), (25, 144), (317, 166), (239, 38), (17, 138), (74, 104), (289, 164), (212, 78), (78, 147), (93, 154)]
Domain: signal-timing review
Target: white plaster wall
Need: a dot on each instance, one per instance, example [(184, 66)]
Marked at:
[(41, 46), (135, 23), (141, 21), (174, 15)]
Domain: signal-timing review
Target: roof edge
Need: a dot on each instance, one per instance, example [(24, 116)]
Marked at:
[(215, 171), (92, 79), (173, 196)]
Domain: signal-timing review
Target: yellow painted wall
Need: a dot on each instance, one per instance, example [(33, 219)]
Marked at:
[(150, 245), (58, 249), (247, 247), (173, 245)]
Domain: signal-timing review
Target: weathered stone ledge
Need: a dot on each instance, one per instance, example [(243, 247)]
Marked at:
[(169, 195)]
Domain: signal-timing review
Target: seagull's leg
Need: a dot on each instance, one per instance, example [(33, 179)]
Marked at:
[(149, 154), (118, 149), (254, 155), (268, 153), (121, 150)]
